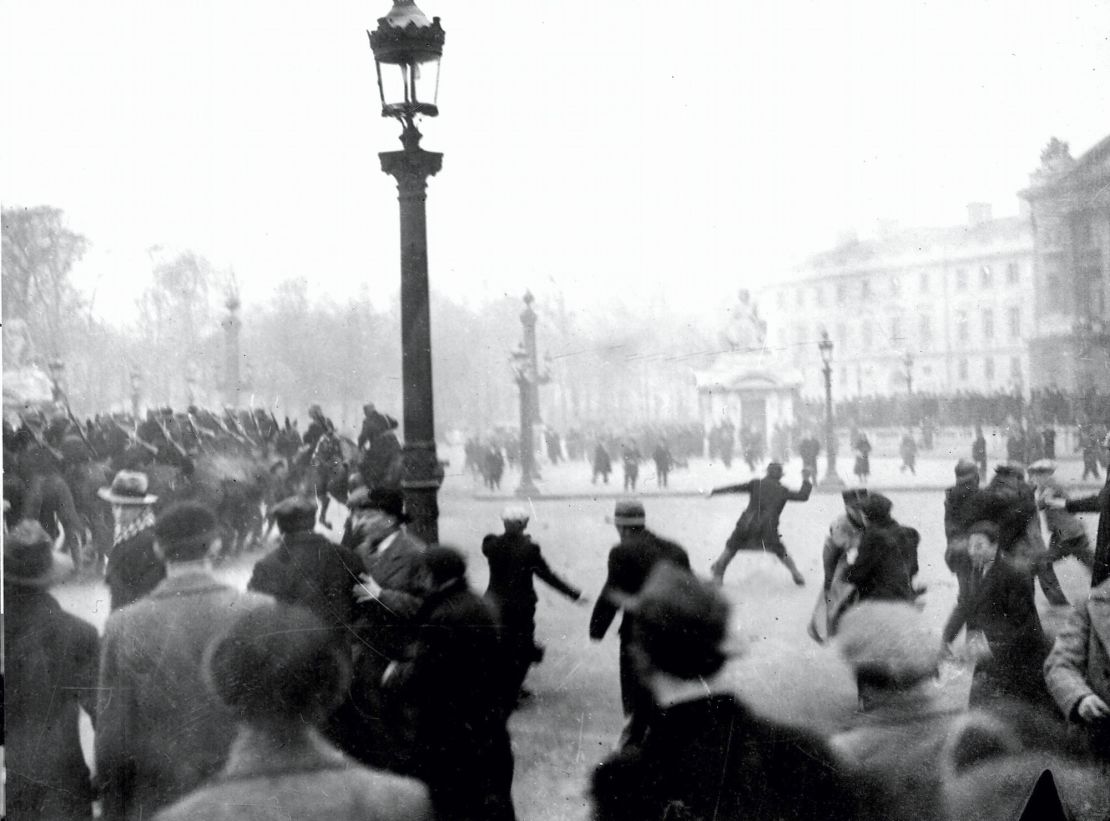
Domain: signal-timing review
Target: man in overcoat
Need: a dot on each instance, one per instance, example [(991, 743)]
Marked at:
[(308, 570), (133, 567), (630, 563), (1077, 670), (461, 738), (50, 675), (514, 559), (1098, 503), (160, 732), (758, 526)]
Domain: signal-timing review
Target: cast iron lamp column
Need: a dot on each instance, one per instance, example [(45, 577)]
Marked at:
[(405, 44), (831, 481), (907, 360), (231, 325), (57, 371), (528, 379)]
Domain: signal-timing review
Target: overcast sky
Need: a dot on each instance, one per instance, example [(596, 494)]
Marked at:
[(606, 149)]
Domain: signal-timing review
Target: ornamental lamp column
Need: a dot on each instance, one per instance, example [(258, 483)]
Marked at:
[(831, 481), (407, 48)]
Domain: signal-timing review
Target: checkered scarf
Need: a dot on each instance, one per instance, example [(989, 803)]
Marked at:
[(130, 522)]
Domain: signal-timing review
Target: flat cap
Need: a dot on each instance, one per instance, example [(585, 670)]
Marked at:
[(629, 513)]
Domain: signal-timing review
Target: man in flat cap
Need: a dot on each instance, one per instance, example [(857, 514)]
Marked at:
[(758, 526), (1067, 535), (308, 570), (705, 755), (630, 563), (159, 731), (514, 559)]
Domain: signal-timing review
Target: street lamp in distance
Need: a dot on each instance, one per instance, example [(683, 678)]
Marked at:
[(907, 360), (407, 48), (831, 481), (136, 391), (57, 370)]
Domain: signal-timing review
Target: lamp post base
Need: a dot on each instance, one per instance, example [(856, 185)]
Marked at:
[(831, 481), (527, 488)]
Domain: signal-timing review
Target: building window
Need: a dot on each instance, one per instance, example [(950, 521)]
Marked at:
[(866, 332), (1013, 273), (924, 279), (963, 370), (986, 277), (962, 334), (1015, 368), (841, 294), (925, 330), (988, 368), (961, 279), (1014, 316), (988, 323)]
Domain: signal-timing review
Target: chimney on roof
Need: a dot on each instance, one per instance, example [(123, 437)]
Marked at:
[(978, 213)]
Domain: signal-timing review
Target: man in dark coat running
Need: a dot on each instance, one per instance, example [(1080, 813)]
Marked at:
[(758, 526), (630, 563), (1097, 503), (513, 561)]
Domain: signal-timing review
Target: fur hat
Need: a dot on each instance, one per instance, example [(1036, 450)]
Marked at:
[(185, 531), (277, 661), (1010, 469), (129, 487), (629, 513), (515, 513), (294, 514), (680, 622), (444, 564), (29, 556), (888, 643)]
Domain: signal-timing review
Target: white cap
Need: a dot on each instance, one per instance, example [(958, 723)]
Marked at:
[(514, 513)]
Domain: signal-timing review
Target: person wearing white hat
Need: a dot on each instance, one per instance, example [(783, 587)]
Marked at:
[(514, 559), (133, 568)]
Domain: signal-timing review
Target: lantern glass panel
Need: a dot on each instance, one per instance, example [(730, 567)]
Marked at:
[(409, 87)]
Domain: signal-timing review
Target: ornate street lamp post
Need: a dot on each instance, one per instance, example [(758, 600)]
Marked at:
[(136, 391), (407, 49), (525, 364), (232, 325), (907, 360), (831, 481), (57, 371)]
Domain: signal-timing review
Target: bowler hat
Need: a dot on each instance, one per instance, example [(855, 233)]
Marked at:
[(681, 622), (876, 507), (387, 500), (294, 514), (29, 556), (129, 487), (629, 513), (1010, 469), (444, 564), (277, 661)]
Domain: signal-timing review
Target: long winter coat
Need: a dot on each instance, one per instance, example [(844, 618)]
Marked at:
[(160, 732), (133, 569), (758, 526), (462, 749), (886, 564), (1098, 503), (50, 675), (514, 559), (1079, 664)]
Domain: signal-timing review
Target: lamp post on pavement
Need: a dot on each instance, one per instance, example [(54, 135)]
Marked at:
[(832, 481), (525, 364), (232, 325), (136, 391), (57, 371), (907, 360), (407, 48)]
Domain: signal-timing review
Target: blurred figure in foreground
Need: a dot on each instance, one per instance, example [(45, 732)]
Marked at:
[(281, 674)]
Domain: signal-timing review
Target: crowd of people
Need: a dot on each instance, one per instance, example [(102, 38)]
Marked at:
[(365, 678), (964, 408)]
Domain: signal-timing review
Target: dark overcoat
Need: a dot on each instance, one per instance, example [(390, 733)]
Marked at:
[(758, 526), (514, 559), (462, 749), (133, 569), (308, 570), (50, 675), (883, 569), (713, 759)]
